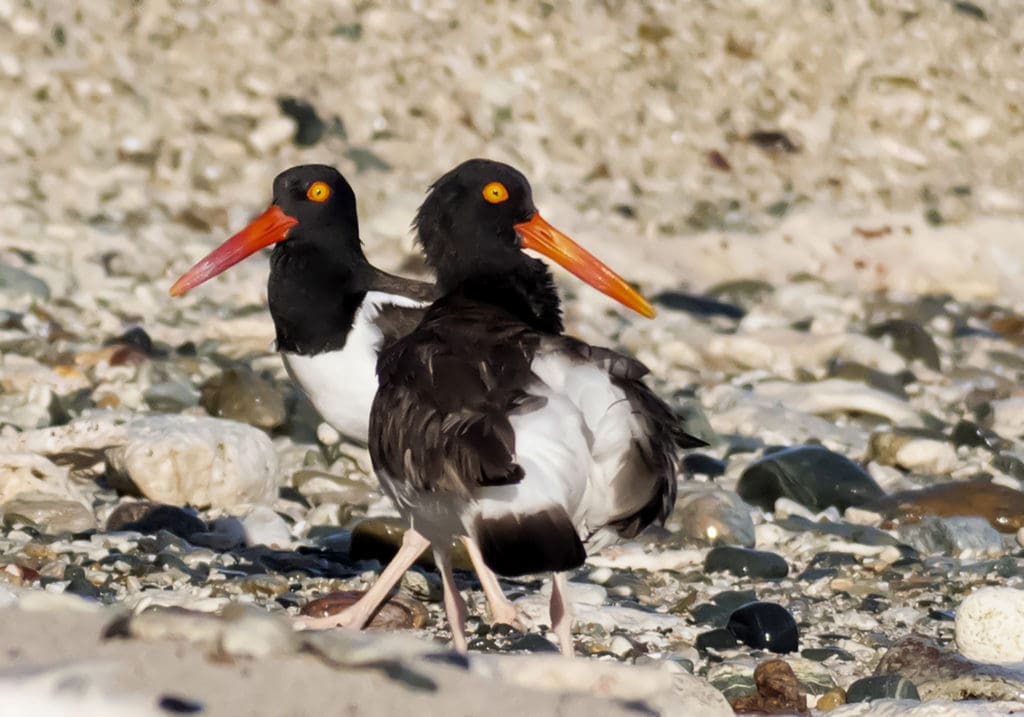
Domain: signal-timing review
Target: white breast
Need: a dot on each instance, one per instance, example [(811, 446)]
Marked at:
[(341, 384)]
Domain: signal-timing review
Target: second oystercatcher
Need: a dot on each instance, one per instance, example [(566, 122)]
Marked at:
[(332, 311), (489, 422)]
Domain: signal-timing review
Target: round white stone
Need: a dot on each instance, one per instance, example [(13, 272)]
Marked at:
[(990, 625)]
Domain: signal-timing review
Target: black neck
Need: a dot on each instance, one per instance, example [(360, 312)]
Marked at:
[(527, 291), (314, 293)]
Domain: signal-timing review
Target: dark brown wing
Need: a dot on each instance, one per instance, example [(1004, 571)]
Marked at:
[(440, 419)]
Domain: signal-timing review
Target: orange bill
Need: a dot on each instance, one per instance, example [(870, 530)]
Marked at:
[(268, 228), (541, 237)]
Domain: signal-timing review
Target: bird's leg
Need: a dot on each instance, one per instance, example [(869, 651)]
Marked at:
[(454, 607), (561, 614), (502, 610), (357, 615)]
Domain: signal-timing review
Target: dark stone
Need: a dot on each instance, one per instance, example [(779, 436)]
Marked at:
[(970, 10), (136, 337), (722, 605), (365, 160), (532, 642), (765, 625), (941, 615), (812, 476), (773, 141), (717, 639), (309, 127), (968, 433), (821, 654), (745, 562), (702, 464), (1010, 465), (863, 534), (881, 687), (742, 292), (811, 575), (146, 517), (180, 705), (697, 305), (910, 340), (833, 559), (79, 585)]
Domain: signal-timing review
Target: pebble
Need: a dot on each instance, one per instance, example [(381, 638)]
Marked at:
[(757, 564), (399, 612), (765, 625), (18, 281), (1008, 417), (990, 625), (910, 340), (148, 517), (712, 517), (810, 475), (912, 452), (957, 536), (238, 394), (263, 526), (777, 691), (881, 687), (831, 699), (1001, 506), (835, 396)]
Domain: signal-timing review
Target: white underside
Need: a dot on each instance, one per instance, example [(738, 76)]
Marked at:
[(571, 451), (341, 384)]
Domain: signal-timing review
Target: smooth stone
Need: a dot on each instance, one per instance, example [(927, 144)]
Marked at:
[(399, 612), (712, 517), (147, 517), (1008, 417), (863, 534), (765, 625), (855, 371), (224, 534), (702, 464), (697, 305), (940, 673), (910, 340), (955, 536), (717, 639), (968, 433), (380, 538), (18, 281), (744, 562), (777, 691), (170, 396), (990, 625), (716, 612), (812, 476), (1001, 506), (823, 654), (742, 292), (263, 526), (881, 687), (834, 396), (913, 452), (238, 394), (831, 699), (1009, 464), (50, 515)]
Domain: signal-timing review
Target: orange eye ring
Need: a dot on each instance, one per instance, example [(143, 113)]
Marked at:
[(495, 193), (318, 192)]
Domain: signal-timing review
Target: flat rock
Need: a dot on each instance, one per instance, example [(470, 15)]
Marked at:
[(712, 517), (940, 673), (50, 515), (836, 396), (1001, 506), (965, 536), (399, 612)]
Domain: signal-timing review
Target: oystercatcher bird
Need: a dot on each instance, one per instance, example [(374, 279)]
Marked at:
[(490, 423), (332, 311)]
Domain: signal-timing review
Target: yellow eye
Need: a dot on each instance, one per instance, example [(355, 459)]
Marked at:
[(495, 193), (318, 192)]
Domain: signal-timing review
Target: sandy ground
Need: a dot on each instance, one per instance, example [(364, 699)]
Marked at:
[(273, 687)]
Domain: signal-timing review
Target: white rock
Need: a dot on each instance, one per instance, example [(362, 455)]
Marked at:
[(836, 395), (672, 694), (84, 689), (25, 473), (171, 458), (263, 526), (271, 134), (926, 456), (632, 556), (990, 625), (1008, 417)]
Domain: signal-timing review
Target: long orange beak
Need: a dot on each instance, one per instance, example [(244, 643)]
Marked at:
[(541, 237), (268, 228)]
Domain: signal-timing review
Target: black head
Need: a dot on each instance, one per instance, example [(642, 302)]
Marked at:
[(313, 204), (478, 218), (467, 223)]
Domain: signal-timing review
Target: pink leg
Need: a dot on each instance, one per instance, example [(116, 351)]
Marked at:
[(561, 614), (502, 610), (356, 616), (454, 607)]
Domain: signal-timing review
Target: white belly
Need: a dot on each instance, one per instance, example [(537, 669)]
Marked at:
[(341, 384)]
